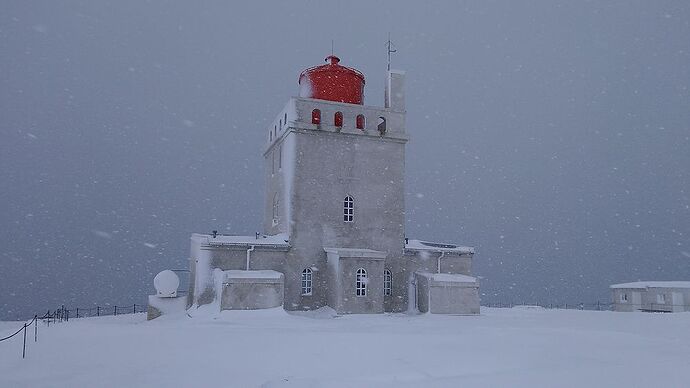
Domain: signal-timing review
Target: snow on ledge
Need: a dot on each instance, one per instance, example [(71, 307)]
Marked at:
[(418, 245), (280, 240), (253, 274), (448, 277), (653, 284)]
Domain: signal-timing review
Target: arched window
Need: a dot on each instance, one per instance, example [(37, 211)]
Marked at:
[(360, 121), (275, 130), (285, 119), (387, 282), (306, 281), (280, 124), (382, 125), (348, 209), (338, 119), (270, 136), (361, 283), (316, 116)]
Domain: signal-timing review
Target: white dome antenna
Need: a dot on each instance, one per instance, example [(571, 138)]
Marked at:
[(166, 283)]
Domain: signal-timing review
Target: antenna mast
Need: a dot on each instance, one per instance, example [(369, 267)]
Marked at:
[(391, 50)]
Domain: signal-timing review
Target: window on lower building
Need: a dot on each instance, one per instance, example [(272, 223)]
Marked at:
[(348, 209), (306, 281), (624, 298), (661, 298), (387, 282), (361, 283), (316, 116), (338, 119)]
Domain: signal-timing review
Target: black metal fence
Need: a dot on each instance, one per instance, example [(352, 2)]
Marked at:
[(63, 314), (596, 306), (56, 315), (98, 311)]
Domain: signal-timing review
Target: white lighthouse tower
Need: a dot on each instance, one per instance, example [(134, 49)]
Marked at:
[(334, 224)]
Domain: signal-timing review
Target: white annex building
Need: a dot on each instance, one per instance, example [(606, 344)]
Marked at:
[(673, 296), (334, 215)]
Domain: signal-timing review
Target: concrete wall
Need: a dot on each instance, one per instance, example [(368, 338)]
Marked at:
[(422, 294), (251, 293), (446, 297), (205, 258), (675, 299), (319, 167), (403, 269), (344, 297)]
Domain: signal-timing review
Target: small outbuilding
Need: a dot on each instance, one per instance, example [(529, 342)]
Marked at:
[(671, 296), (446, 293)]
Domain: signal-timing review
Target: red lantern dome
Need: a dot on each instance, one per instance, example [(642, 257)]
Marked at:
[(332, 82)]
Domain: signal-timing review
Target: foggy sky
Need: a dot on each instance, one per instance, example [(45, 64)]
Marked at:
[(553, 136)]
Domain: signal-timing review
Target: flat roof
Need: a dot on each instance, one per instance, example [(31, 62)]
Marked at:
[(355, 252), (449, 277), (419, 245), (277, 240), (252, 274), (654, 284)]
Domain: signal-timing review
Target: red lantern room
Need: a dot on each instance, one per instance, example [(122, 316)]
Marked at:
[(332, 82)]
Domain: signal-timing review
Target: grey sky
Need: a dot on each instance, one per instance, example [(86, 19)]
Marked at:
[(554, 136)]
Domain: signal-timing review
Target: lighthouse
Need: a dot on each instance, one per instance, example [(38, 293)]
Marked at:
[(334, 214)]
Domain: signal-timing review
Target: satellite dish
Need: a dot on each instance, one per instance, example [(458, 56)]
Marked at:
[(166, 283)]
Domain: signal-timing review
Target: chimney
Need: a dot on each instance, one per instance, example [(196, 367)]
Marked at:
[(395, 91)]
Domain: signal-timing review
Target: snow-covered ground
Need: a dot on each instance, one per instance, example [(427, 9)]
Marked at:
[(519, 347)]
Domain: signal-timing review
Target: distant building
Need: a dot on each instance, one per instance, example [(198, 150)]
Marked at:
[(651, 296), (334, 215)]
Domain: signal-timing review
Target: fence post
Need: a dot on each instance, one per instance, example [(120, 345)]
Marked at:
[(77, 312), (36, 328), (98, 311), (598, 306), (115, 311), (135, 309), (24, 348)]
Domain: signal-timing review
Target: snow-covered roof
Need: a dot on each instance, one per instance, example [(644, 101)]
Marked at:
[(418, 245), (451, 277), (356, 252), (280, 240), (253, 274), (653, 284)]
